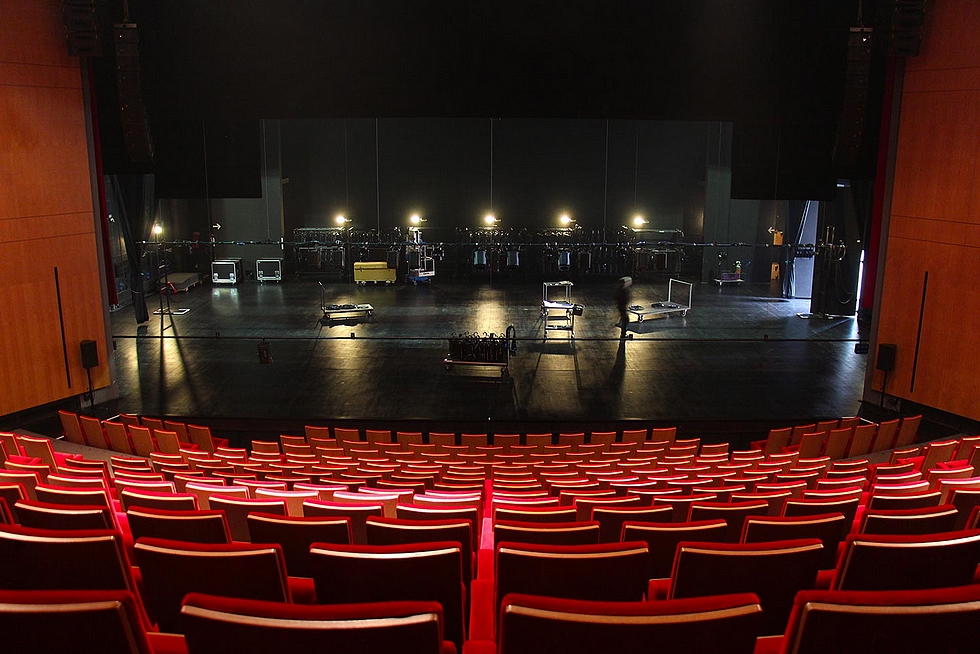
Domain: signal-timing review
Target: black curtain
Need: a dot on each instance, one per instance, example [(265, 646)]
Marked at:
[(135, 199)]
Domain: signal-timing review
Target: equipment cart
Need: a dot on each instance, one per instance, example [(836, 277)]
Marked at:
[(679, 295), (337, 312), (421, 258), (559, 312), (489, 350)]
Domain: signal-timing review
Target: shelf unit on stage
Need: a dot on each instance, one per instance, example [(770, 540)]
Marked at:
[(559, 314)]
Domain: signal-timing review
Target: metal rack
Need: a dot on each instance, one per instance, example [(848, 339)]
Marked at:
[(490, 350), (421, 258), (676, 302), (559, 314)]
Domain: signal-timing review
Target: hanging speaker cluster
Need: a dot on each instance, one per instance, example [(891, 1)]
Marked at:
[(854, 112), (85, 27), (132, 112), (900, 24)]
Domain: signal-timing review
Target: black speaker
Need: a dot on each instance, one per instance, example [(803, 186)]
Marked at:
[(90, 354), (132, 112), (886, 356)]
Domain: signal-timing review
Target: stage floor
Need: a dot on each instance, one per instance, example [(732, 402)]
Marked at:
[(740, 354)]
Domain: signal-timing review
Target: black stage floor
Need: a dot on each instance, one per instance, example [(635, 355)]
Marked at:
[(739, 355)]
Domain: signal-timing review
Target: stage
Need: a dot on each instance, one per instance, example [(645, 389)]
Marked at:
[(740, 355)]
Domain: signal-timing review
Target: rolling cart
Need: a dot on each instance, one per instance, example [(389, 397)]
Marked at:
[(336, 312), (490, 350), (676, 302), (559, 312)]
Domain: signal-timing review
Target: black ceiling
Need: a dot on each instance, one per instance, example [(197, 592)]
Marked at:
[(769, 61)]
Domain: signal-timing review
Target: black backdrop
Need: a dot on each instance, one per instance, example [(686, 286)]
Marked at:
[(773, 68)]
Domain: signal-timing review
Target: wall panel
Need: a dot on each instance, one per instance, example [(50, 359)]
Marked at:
[(46, 215), (935, 220)]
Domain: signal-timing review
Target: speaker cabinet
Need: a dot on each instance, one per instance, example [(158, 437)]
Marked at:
[(90, 354), (886, 357)]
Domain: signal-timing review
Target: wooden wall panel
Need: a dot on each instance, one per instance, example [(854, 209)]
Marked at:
[(935, 220), (46, 215)]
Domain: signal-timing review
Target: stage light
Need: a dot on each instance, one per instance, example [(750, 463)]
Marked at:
[(415, 219), (490, 219), (157, 229), (341, 219), (565, 220), (638, 221)]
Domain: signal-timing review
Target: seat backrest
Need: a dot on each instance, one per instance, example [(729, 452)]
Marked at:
[(346, 574), (605, 572), (902, 622), (830, 528), (585, 505), (612, 518), (907, 430), (214, 624), (662, 539), (357, 513), (810, 507), (399, 531), (93, 431), (200, 435), (733, 513), (236, 510), (861, 439), (965, 500), (39, 448), (911, 562), (936, 452), (167, 441), (133, 497), (27, 480), (777, 440), (836, 444), (71, 427), (428, 512), (171, 569), (63, 495), (201, 526), (203, 489), (812, 444), (927, 520), (531, 624), (118, 437), (42, 515), (682, 503), (73, 560), (72, 621), (295, 534), (552, 533), (143, 442), (885, 435), (775, 571), (912, 501)]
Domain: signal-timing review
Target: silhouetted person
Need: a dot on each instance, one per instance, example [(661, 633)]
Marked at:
[(623, 295)]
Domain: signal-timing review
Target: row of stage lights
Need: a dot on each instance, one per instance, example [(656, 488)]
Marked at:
[(489, 220)]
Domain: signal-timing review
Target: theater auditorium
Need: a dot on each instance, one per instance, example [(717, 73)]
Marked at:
[(426, 326)]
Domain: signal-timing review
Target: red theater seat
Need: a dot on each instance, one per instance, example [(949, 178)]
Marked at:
[(79, 621), (774, 571), (542, 625), (890, 562), (897, 622), (295, 534), (346, 574), (171, 569), (222, 624)]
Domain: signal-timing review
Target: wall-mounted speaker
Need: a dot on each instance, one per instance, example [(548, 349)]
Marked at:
[(90, 354), (886, 357)]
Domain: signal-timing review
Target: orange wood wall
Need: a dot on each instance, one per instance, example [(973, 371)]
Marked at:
[(46, 214), (935, 219)]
